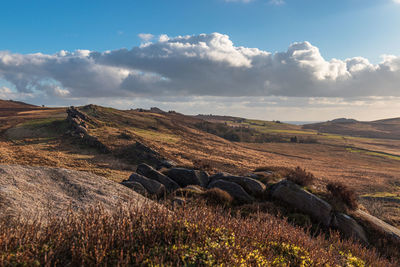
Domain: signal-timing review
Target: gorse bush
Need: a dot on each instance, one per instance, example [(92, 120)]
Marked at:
[(153, 235), (344, 194), (301, 177)]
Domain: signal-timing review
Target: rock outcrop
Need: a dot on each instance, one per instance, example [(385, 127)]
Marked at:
[(378, 225), (153, 187), (304, 201), (151, 173), (138, 153), (250, 185), (235, 190), (184, 177), (27, 192), (135, 186), (349, 227), (79, 128)]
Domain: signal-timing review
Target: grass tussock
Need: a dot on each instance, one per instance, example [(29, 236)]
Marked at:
[(194, 235), (344, 194), (301, 177)]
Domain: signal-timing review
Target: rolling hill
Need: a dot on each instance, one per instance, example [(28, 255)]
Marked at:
[(387, 129), (110, 143)]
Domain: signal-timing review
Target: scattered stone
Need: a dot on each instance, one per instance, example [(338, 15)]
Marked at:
[(152, 187), (135, 186), (235, 190), (252, 186), (184, 177), (349, 227), (151, 173), (302, 200)]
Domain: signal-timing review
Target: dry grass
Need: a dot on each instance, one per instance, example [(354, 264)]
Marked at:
[(343, 193), (301, 177), (194, 235), (329, 162)]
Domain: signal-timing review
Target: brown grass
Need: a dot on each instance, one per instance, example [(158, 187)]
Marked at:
[(192, 236), (216, 196), (343, 193), (301, 177)]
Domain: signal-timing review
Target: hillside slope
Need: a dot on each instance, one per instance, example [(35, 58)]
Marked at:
[(388, 128)]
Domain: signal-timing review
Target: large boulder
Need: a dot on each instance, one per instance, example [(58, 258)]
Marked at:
[(184, 177), (235, 190), (349, 227), (252, 186), (302, 200), (135, 186), (378, 225), (153, 187), (27, 192), (151, 173)]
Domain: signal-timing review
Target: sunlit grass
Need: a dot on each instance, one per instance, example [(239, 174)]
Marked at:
[(156, 135), (373, 153)]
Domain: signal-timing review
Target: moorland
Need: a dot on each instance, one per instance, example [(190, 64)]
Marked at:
[(363, 156)]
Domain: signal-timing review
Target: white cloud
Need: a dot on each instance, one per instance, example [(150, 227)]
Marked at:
[(396, 1), (146, 37), (206, 65)]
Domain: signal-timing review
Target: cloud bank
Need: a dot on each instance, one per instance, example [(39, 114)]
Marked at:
[(198, 66)]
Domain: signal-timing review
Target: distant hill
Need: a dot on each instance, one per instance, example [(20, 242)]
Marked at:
[(14, 104), (387, 128), (219, 118), (344, 120)]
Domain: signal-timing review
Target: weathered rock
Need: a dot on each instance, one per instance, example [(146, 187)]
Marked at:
[(235, 190), (167, 164), (27, 192), (135, 186), (139, 153), (252, 186), (153, 187), (184, 177), (151, 173), (378, 225), (302, 200), (77, 121), (219, 175), (349, 227)]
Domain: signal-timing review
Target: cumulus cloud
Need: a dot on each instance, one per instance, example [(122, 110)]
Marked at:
[(146, 37), (199, 65)]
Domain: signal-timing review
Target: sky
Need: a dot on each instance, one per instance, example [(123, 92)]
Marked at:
[(305, 60)]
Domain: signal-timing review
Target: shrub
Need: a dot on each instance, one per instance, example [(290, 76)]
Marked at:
[(301, 177), (195, 235), (216, 196), (341, 192)]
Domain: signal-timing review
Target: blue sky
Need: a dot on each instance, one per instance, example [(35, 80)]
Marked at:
[(275, 81), (340, 28)]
